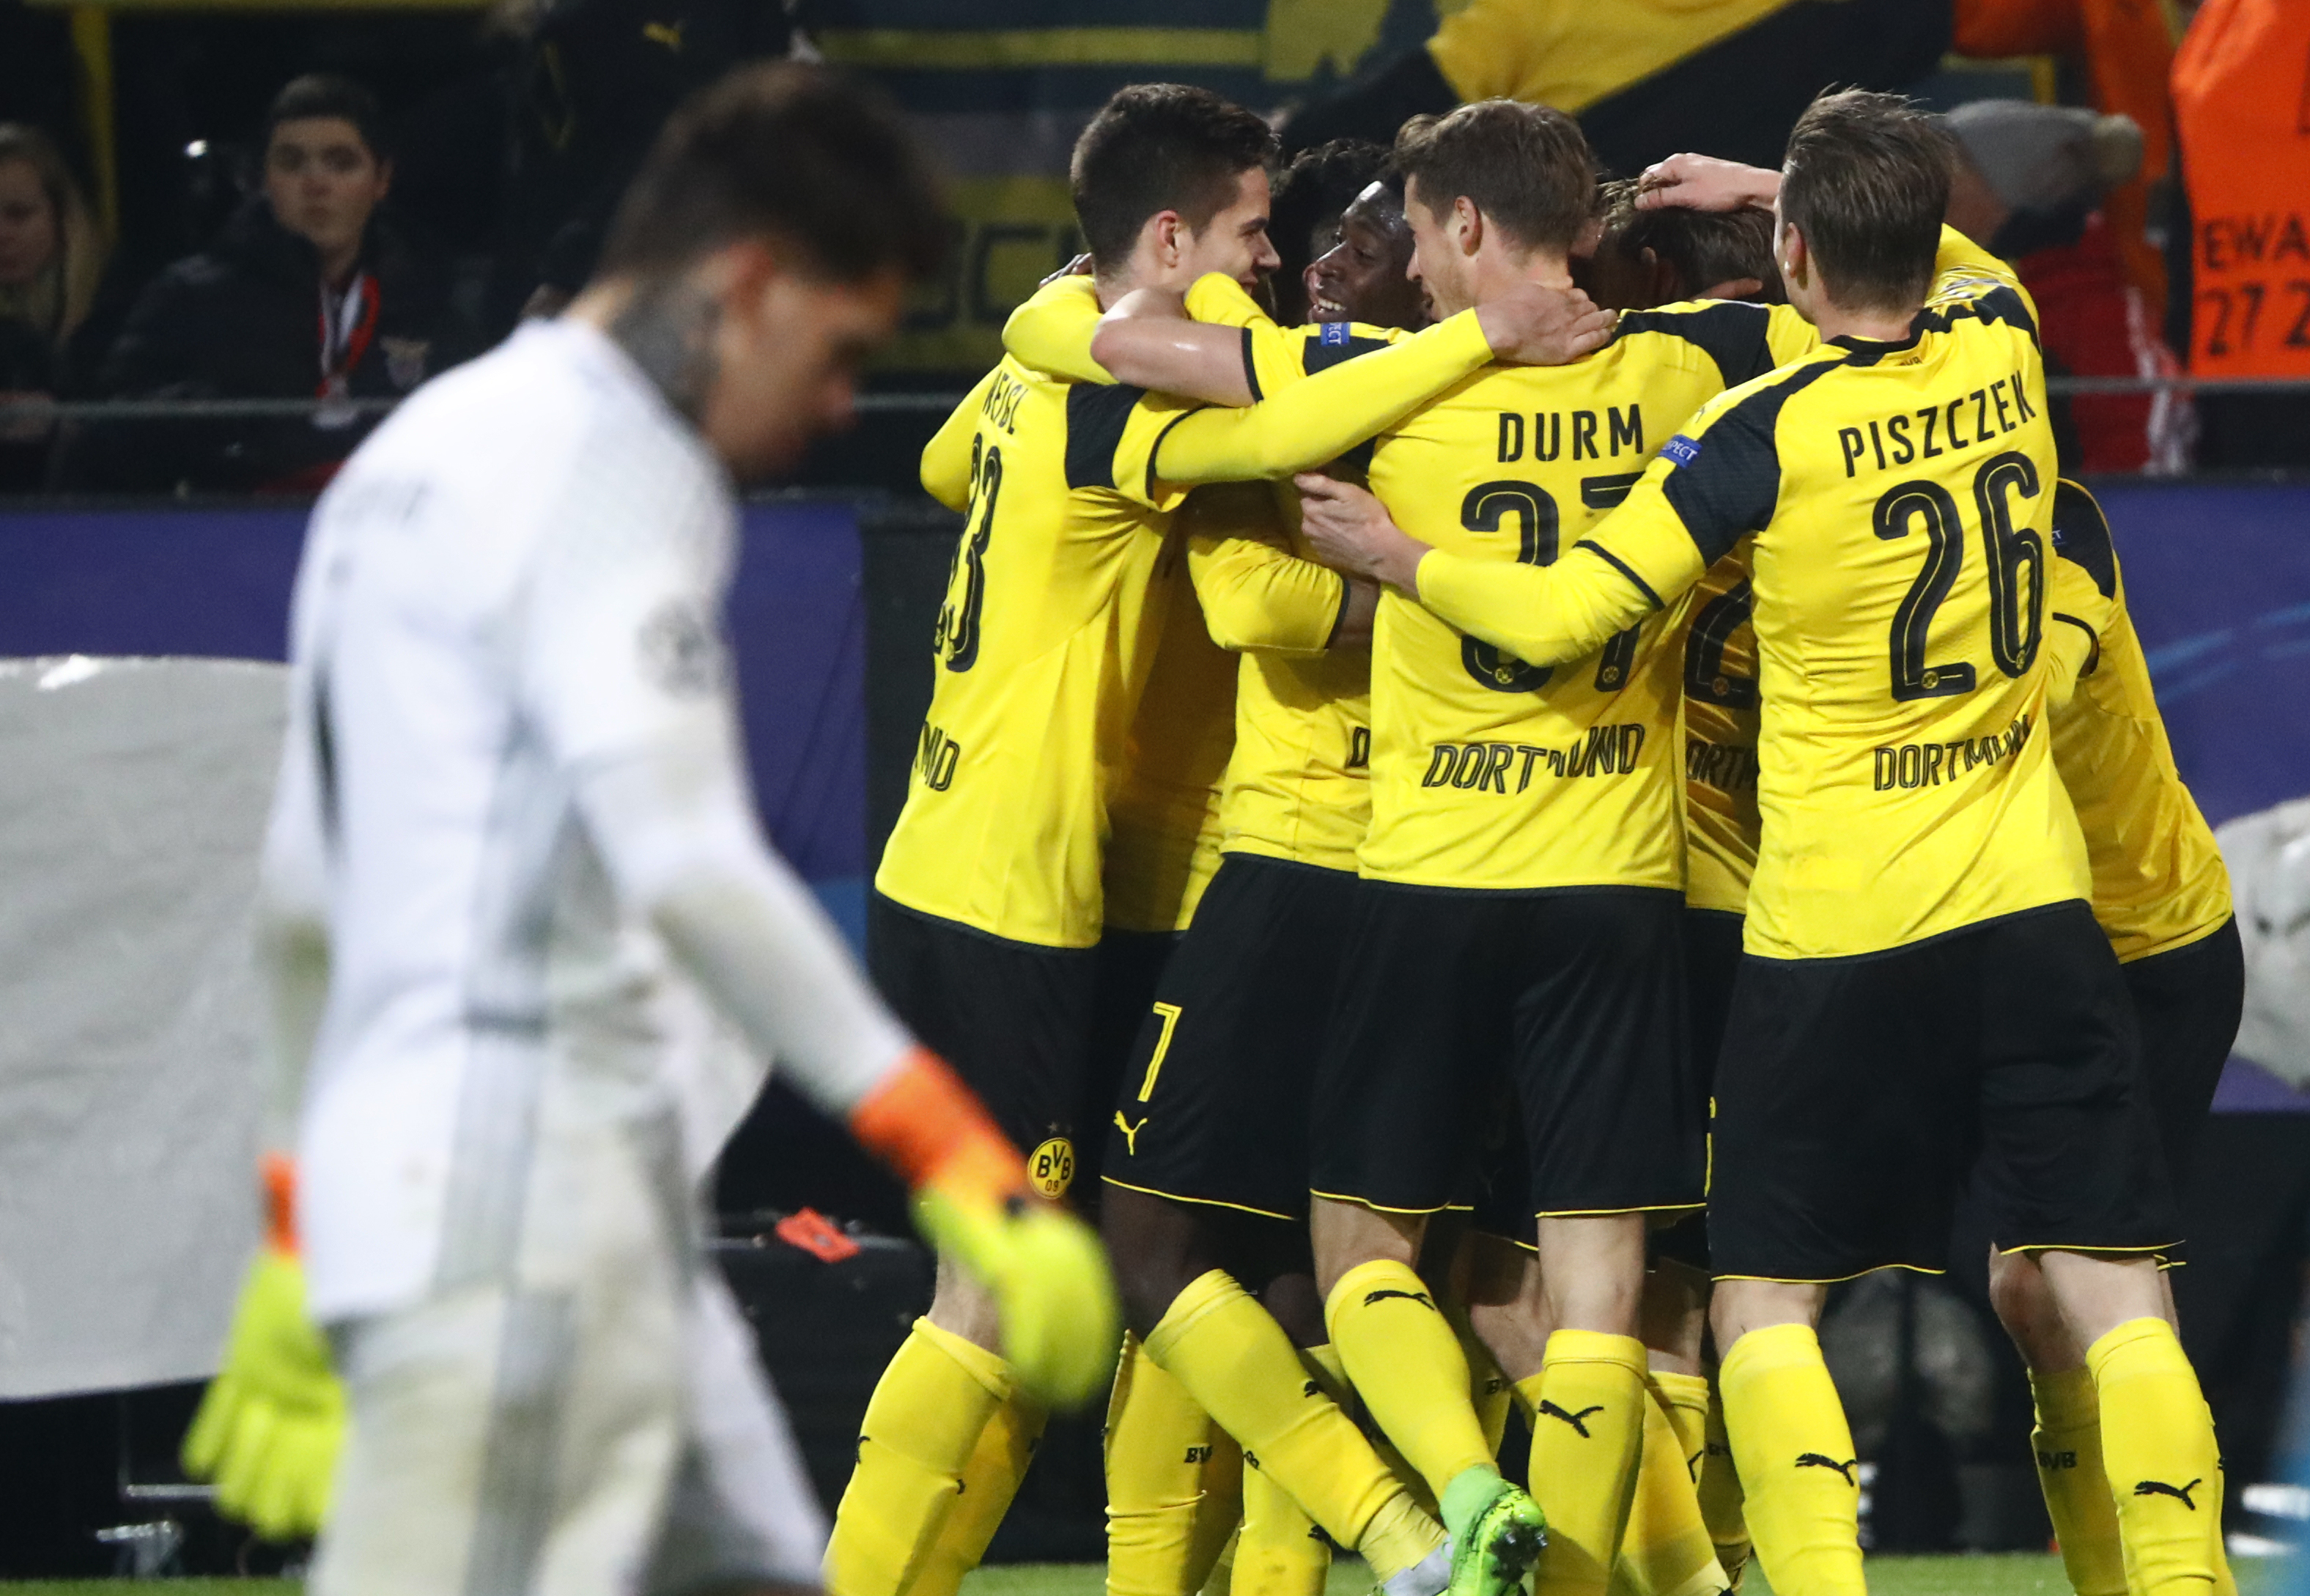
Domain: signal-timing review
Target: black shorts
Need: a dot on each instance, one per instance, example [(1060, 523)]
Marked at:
[(1130, 965), (1014, 1019), (1574, 996), (2187, 1002), (1855, 1097), (1712, 959), (1213, 1107)]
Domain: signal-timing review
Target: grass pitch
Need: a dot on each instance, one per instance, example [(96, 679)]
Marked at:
[(2019, 1575)]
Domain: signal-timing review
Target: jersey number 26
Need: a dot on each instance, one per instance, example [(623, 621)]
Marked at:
[(2017, 620)]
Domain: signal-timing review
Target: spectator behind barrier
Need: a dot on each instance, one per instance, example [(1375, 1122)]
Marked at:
[(2039, 184), (309, 292), (52, 261)]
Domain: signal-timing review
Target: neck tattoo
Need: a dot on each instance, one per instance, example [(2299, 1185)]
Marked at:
[(668, 329)]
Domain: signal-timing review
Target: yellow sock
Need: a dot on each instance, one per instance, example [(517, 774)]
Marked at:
[(1406, 1364), (1279, 1552), (1665, 1551), (1684, 1401), (989, 1482), (1323, 1362), (2067, 1442), (2158, 1449), (1721, 1501), (1488, 1389), (1220, 1517), (1158, 1443), (1794, 1452), (1590, 1401), (2224, 1582), (921, 1430), (1239, 1365)]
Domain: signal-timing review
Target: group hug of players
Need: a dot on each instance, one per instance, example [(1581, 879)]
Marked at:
[(1686, 756)]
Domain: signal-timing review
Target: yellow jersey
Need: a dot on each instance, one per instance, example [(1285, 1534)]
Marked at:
[(1899, 495), (1295, 787), (2158, 880), (1299, 787), (1235, 588), (1489, 772), (1164, 845), (1719, 652), (1043, 645)]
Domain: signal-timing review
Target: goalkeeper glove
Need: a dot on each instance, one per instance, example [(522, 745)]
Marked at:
[(272, 1422), (1045, 1267)]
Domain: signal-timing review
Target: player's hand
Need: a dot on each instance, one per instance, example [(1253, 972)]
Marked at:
[(1705, 183), (1043, 1266), (1532, 325), (269, 1430), (1050, 1278), (1353, 533)]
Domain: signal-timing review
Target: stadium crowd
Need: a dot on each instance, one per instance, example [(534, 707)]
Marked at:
[(2148, 215)]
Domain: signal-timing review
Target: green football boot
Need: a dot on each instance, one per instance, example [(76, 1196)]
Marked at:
[(1497, 1533)]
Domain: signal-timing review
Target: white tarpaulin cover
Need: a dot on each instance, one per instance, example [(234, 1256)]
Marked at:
[(132, 795), (2269, 856)]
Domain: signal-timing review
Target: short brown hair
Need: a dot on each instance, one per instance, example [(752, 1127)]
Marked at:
[(1527, 168), (789, 150), (1867, 181), (1157, 147), (1703, 248)]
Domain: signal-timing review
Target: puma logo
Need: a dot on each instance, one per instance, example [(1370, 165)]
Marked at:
[(2159, 1487), (1421, 1297), (1309, 1388), (1818, 1459), (1129, 1133), (1578, 1421)]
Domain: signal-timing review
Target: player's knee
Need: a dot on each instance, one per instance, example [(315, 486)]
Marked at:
[(2017, 1291), (1739, 1307), (1152, 1249)]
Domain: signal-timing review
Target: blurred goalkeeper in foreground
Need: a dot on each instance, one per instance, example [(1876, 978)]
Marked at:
[(511, 848)]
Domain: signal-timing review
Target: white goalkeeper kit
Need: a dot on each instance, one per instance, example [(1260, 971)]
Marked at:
[(513, 827)]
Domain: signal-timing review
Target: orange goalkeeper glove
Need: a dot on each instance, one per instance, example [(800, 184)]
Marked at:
[(273, 1421), (1045, 1267)]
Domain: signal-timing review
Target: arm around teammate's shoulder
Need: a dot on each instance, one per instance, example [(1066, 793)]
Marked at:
[(1642, 558), (1317, 420)]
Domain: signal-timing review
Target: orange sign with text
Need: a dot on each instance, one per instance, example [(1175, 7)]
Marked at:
[(2242, 103)]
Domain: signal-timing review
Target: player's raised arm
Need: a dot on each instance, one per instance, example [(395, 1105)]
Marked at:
[(1314, 422), (1145, 341)]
